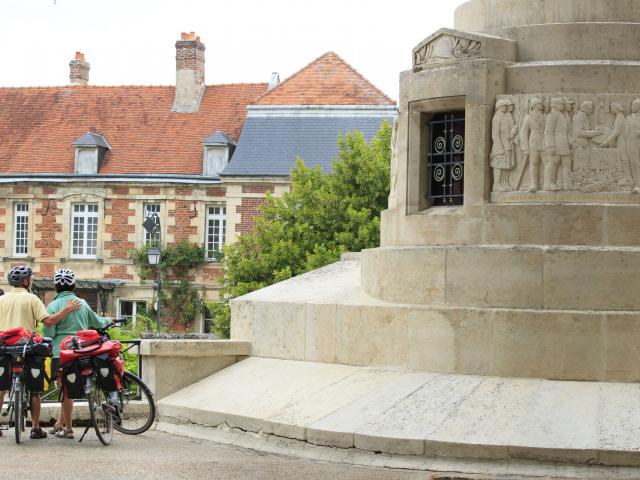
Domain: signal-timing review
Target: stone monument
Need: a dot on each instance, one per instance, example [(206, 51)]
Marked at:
[(516, 220), (510, 256), (511, 246)]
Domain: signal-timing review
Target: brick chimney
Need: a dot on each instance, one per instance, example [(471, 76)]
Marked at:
[(189, 73), (79, 70)]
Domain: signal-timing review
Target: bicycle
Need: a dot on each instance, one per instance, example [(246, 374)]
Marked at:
[(131, 410), (19, 402)]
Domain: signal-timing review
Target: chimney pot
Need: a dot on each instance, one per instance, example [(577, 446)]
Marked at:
[(274, 81)]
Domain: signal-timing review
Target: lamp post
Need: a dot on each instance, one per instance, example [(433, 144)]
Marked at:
[(154, 255)]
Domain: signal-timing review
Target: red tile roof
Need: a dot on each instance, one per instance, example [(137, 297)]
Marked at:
[(328, 80), (37, 126)]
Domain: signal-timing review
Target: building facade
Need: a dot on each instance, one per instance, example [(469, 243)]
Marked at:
[(82, 166)]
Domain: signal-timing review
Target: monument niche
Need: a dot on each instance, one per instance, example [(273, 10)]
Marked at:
[(511, 245)]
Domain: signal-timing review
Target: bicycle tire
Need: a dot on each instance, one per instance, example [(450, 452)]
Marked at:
[(132, 384), (101, 420), (18, 416)]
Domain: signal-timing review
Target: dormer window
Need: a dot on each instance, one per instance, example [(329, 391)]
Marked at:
[(218, 149), (91, 149)]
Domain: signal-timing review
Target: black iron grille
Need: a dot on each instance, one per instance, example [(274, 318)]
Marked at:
[(445, 162)]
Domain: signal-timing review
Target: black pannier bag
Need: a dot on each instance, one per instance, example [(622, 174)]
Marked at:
[(72, 381), (42, 349), (5, 372), (34, 373), (106, 373)]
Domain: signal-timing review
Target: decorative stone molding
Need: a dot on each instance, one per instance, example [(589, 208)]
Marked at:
[(581, 143), (454, 45)]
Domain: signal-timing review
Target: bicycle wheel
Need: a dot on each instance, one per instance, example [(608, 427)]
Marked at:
[(18, 414), (101, 420), (138, 408)]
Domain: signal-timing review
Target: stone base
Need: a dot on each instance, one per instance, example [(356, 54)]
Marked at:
[(324, 316), (583, 279), (417, 414)]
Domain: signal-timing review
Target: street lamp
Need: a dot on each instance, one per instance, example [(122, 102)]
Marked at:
[(154, 255)]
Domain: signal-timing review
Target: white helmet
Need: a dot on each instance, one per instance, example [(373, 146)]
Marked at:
[(64, 276)]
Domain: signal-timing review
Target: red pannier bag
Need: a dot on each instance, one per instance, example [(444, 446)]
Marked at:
[(107, 361), (14, 336)]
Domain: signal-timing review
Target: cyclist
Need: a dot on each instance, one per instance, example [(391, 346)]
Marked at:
[(21, 308), (82, 319)]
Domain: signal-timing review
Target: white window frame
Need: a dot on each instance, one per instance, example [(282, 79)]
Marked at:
[(86, 217), (135, 302), (215, 213), (21, 226), (147, 212)]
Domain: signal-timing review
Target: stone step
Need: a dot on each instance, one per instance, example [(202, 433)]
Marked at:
[(419, 414), (325, 316)]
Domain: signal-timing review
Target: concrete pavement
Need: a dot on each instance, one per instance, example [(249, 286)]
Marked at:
[(159, 455)]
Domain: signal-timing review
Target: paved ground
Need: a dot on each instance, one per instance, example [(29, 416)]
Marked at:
[(158, 455)]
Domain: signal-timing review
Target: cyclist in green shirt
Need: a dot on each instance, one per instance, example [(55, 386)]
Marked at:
[(82, 319)]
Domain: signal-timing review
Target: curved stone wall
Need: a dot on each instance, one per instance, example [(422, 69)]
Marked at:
[(560, 41), (522, 277), (516, 224), (490, 15)]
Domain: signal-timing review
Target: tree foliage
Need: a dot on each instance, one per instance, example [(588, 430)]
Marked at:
[(321, 217), (180, 300)]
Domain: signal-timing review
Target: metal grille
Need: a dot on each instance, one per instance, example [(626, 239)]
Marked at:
[(445, 162)]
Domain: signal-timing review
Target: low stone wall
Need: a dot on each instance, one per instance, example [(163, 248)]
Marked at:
[(170, 365)]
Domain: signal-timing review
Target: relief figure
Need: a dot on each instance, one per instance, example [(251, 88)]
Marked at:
[(583, 132), (632, 135), (558, 147), (616, 140), (503, 133), (532, 142), (393, 184)]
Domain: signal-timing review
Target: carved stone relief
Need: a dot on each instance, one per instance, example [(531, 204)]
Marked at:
[(393, 186), (446, 47), (585, 143)]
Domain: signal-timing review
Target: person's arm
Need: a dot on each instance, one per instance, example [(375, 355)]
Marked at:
[(96, 321), (50, 331), (56, 318)]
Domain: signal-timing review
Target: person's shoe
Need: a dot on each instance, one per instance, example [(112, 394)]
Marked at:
[(38, 434), (66, 434), (55, 429)]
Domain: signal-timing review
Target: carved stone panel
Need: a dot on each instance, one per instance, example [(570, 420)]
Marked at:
[(447, 45), (550, 144)]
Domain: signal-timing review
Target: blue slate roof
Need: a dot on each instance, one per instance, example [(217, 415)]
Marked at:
[(91, 139), (269, 146), (218, 138)]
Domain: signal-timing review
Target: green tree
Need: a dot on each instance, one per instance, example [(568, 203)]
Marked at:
[(310, 226), (180, 300)]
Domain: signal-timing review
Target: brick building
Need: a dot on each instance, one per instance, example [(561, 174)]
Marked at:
[(82, 166)]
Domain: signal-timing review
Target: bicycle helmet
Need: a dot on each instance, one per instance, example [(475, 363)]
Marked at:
[(17, 274), (64, 276)]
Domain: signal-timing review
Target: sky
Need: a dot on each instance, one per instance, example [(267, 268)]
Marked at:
[(132, 42)]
